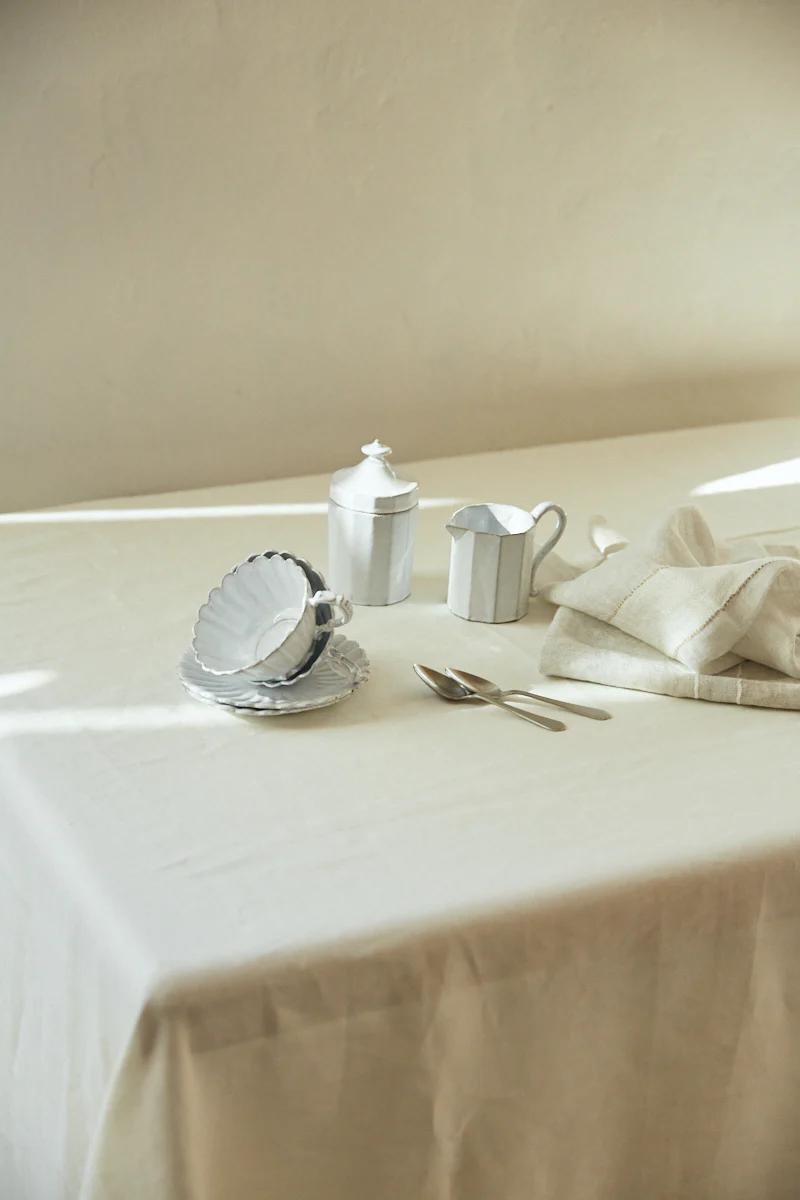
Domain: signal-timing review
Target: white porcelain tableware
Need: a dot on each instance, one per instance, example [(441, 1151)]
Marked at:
[(342, 668), (492, 559), (371, 521), (264, 622), (323, 610)]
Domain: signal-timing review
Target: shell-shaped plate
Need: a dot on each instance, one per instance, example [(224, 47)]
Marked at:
[(342, 668)]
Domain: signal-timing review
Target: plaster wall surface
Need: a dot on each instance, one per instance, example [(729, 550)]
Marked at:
[(240, 237)]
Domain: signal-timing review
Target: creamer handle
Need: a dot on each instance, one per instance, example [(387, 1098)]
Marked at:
[(561, 523)]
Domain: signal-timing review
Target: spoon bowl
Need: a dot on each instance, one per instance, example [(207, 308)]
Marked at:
[(442, 684)]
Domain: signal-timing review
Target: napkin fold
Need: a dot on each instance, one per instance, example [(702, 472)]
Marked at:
[(681, 613)]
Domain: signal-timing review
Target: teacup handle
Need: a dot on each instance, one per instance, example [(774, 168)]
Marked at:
[(561, 523), (345, 609)]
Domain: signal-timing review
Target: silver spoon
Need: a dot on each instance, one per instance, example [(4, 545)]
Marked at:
[(485, 688), (449, 689)]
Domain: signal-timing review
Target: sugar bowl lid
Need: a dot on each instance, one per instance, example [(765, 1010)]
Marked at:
[(372, 486)]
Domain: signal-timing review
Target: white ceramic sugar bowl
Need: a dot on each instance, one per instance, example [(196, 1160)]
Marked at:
[(371, 520)]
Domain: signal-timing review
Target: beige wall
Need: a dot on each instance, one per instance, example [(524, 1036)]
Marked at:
[(238, 237)]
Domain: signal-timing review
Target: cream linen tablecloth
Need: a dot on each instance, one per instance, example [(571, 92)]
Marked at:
[(393, 950)]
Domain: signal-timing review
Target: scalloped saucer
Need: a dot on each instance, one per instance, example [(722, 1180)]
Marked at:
[(341, 669)]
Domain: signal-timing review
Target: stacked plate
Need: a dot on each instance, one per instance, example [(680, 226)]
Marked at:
[(263, 641)]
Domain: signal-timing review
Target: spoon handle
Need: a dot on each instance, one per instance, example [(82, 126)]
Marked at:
[(533, 718), (582, 710)]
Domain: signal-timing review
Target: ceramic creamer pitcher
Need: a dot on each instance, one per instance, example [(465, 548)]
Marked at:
[(493, 560)]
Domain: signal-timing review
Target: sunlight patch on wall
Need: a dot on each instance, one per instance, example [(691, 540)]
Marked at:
[(188, 513), (780, 474)]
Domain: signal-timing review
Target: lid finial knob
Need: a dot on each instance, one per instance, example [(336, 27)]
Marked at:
[(371, 486), (376, 449)]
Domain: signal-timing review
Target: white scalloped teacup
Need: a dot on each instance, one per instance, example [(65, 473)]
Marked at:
[(263, 621)]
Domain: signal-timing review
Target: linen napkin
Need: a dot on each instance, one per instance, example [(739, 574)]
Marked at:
[(682, 614)]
